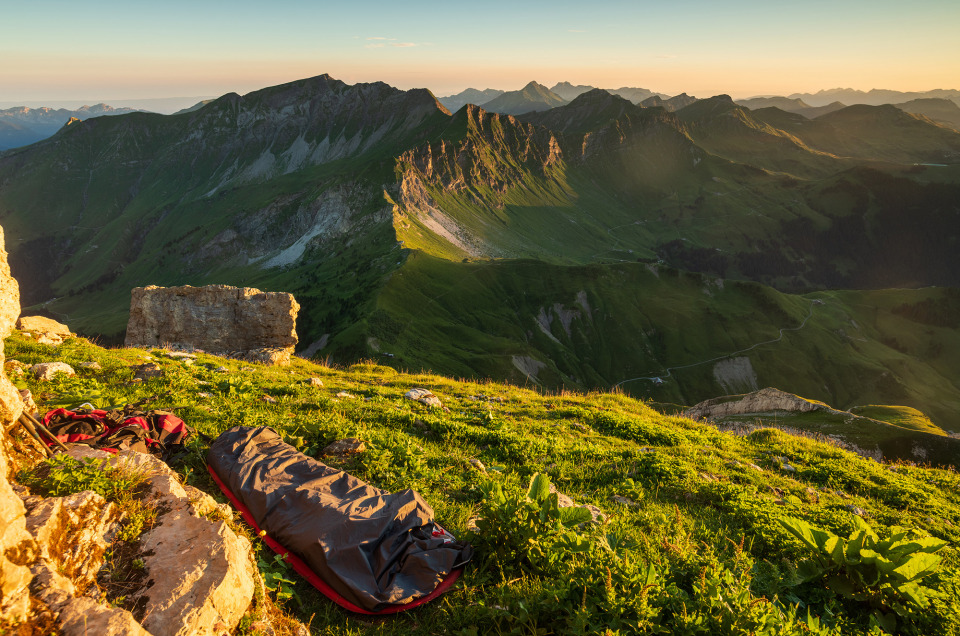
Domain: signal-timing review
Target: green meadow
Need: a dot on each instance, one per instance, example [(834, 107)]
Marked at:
[(701, 532)]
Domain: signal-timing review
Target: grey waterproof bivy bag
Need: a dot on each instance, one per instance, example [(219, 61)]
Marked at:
[(379, 551)]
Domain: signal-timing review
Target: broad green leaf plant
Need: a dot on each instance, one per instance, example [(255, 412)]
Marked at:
[(889, 573)]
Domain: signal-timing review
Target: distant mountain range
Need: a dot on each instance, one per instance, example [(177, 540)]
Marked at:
[(531, 98), (875, 97), (470, 96), (536, 97), (943, 111), (794, 105), (671, 104), (21, 125), (680, 255), (940, 110)]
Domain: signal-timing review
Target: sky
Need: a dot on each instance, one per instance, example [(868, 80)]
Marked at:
[(106, 50)]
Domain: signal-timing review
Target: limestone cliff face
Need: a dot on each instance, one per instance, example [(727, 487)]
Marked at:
[(483, 159), (496, 152), (16, 545)]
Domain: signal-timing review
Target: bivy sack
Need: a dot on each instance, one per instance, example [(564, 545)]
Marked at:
[(368, 550)]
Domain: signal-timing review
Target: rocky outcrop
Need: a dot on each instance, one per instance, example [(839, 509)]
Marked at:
[(198, 573), (238, 321), (45, 330), (17, 548), (80, 615), (73, 533), (763, 401), (201, 578)]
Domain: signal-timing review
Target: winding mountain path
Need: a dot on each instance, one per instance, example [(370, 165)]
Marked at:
[(670, 370)]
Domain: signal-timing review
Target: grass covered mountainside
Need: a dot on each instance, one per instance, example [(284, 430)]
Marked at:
[(671, 336), (574, 224), (702, 532)]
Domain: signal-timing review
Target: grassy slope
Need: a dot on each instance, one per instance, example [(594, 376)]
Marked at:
[(695, 490), (470, 319), (878, 133), (879, 431), (902, 416)]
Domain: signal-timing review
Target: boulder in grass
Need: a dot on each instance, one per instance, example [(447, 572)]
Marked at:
[(49, 370), (46, 330), (240, 322), (424, 397)]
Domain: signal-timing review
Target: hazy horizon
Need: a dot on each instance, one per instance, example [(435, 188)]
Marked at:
[(169, 104), (115, 51)]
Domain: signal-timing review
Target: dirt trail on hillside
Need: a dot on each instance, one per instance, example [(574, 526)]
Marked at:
[(670, 370)]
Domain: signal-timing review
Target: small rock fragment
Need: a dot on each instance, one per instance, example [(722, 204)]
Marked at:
[(595, 512), (93, 366), (316, 382), (345, 395), (15, 369), (270, 356), (344, 447), (269, 399), (424, 397), (28, 404), (625, 501), (476, 463), (563, 501), (148, 371), (48, 370), (221, 369), (225, 511), (857, 510)]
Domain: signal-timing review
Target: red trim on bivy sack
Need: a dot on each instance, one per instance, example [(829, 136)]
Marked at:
[(304, 570)]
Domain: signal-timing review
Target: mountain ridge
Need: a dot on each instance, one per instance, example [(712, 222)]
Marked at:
[(359, 198)]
